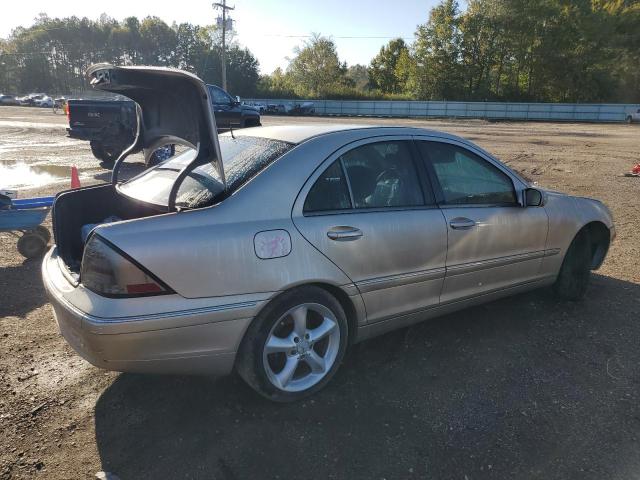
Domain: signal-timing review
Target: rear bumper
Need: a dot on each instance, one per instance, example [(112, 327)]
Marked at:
[(190, 341), (80, 133)]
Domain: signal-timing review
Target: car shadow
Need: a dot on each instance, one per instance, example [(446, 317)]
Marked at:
[(22, 288), (528, 386)]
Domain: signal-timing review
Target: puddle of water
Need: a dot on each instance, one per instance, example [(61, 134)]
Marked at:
[(23, 175)]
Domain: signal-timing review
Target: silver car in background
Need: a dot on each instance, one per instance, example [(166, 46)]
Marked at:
[(271, 250)]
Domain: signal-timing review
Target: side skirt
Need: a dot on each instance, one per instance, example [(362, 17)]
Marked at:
[(384, 326)]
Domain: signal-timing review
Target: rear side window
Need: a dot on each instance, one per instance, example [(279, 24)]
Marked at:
[(330, 192), (467, 179), (383, 175), (375, 175)]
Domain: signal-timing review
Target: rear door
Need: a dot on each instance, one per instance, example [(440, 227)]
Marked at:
[(370, 210), (493, 242)]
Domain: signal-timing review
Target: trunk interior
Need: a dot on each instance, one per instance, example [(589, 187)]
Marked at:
[(91, 205)]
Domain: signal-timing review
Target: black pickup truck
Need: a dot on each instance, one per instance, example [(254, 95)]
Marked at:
[(110, 125)]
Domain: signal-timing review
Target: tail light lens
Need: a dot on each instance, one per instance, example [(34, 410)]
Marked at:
[(67, 110), (108, 272)]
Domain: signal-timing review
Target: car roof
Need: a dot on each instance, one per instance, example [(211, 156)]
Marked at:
[(301, 133)]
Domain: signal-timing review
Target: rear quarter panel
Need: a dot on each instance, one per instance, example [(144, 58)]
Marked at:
[(210, 253)]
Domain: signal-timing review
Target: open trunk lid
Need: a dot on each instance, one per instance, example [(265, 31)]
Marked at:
[(174, 107)]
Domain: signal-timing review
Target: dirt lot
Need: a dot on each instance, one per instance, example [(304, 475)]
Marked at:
[(526, 387)]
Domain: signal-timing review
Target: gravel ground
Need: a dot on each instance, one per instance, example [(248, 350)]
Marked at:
[(526, 387)]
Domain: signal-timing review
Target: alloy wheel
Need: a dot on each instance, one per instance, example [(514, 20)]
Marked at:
[(301, 347)]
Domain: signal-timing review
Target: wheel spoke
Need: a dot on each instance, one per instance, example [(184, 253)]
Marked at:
[(325, 328), (300, 320), (315, 362), (279, 344), (286, 374)]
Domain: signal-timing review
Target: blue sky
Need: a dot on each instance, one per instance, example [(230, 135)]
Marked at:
[(269, 28)]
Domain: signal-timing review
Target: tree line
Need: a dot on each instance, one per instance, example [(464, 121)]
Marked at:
[(508, 50), (53, 54)]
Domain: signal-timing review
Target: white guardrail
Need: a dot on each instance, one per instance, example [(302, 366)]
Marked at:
[(578, 112)]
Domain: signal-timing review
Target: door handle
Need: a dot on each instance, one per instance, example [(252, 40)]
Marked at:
[(462, 223), (344, 233)]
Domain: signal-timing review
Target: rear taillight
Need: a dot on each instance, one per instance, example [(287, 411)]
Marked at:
[(108, 272), (67, 110)]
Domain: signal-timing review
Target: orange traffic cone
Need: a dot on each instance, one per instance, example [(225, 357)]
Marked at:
[(75, 179)]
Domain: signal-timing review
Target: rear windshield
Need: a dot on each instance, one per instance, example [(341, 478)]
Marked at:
[(242, 158)]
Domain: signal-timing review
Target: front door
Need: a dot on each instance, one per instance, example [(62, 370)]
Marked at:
[(371, 212), (493, 242), (225, 109)]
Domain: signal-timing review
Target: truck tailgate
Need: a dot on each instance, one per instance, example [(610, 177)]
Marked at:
[(100, 114)]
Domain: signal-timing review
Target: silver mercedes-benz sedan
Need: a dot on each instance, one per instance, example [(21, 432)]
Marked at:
[(270, 250)]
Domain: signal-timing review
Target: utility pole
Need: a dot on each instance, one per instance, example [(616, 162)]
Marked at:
[(224, 8)]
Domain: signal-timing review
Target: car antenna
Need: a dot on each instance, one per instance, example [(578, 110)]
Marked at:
[(231, 130)]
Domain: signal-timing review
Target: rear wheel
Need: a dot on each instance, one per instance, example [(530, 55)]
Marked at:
[(31, 245), (295, 345), (575, 271), (629, 119), (106, 154)]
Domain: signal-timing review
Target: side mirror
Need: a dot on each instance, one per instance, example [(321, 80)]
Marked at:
[(533, 197)]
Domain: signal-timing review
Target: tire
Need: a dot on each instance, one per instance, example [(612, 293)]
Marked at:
[(107, 155), (266, 372), (31, 245), (575, 271), (43, 232), (96, 150), (157, 156), (629, 119)]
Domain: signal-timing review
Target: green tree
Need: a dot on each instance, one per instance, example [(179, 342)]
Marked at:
[(405, 71), (437, 54), (157, 42), (316, 69), (359, 76), (53, 54), (382, 72)]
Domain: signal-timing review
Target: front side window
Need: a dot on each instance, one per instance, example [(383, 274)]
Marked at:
[(220, 97), (467, 179)]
